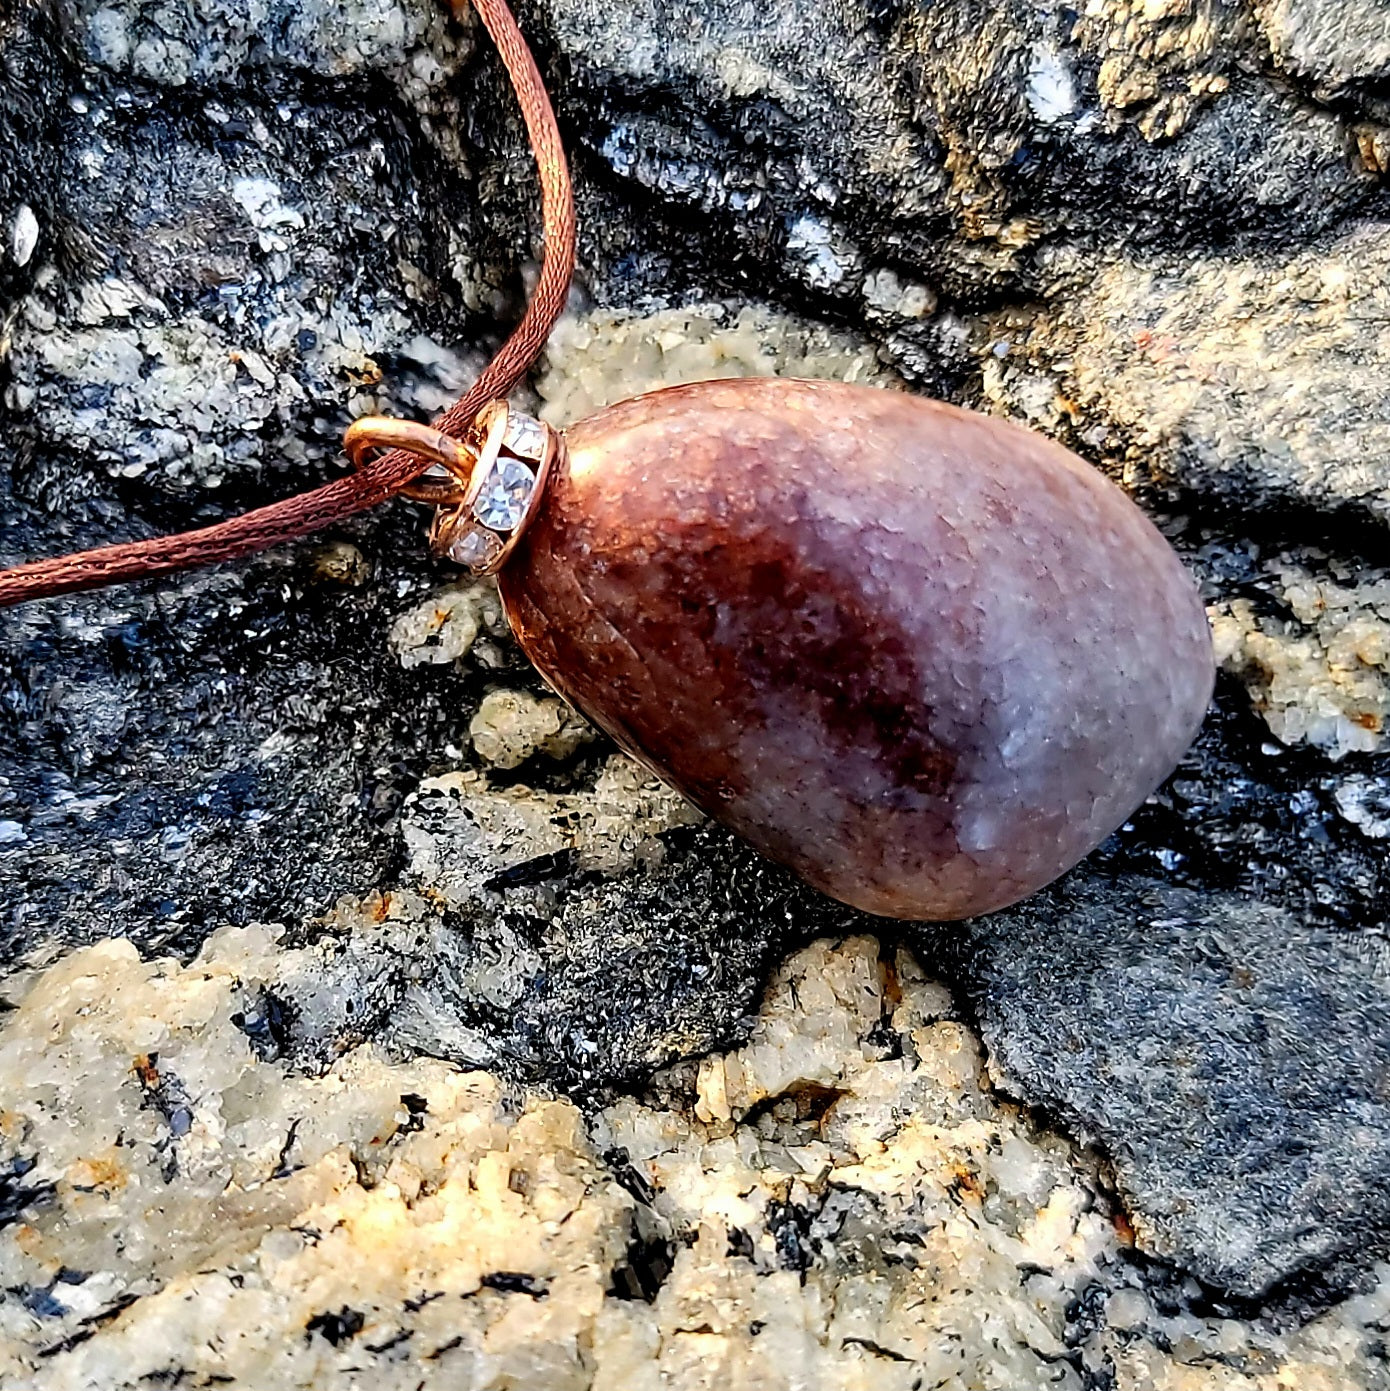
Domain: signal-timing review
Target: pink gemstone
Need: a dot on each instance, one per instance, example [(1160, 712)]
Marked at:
[(926, 658)]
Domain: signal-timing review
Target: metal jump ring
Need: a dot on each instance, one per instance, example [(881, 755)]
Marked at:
[(495, 484), (379, 432)]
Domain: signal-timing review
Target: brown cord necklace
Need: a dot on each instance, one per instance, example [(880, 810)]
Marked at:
[(924, 657)]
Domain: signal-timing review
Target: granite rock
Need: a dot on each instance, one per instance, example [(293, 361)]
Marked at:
[(1341, 50), (823, 1206), (1312, 645), (1194, 1039), (1155, 232), (512, 726), (1254, 383), (223, 263), (583, 938), (34, 87), (599, 358), (946, 143)]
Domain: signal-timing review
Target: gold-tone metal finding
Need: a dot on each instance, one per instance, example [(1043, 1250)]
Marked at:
[(475, 533), (456, 457), (489, 484)]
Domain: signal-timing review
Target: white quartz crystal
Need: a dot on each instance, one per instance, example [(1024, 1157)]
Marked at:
[(511, 726), (600, 358), (443, 627), (1318, 666)]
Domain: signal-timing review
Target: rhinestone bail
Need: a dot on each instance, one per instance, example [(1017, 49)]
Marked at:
[(504, 490)]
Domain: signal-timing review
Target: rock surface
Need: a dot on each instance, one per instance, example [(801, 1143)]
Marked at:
[(1154, 232), (1161, 1028), (840, 1202), (1250, 380)]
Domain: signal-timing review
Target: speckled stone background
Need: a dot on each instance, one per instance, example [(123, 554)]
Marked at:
[(1158, 233)]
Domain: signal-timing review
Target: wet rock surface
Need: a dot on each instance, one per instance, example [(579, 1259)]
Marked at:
[(1153, 232)]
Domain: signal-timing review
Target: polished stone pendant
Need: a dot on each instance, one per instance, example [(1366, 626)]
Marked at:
[(927, 659)]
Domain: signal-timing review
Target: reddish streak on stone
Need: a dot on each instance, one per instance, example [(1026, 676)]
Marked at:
[(927, 659)]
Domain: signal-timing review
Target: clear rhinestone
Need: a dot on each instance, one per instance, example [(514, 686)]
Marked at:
[(505, 492), (474, 548), (525, 436)]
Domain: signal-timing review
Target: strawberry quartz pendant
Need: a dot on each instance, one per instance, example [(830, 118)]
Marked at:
[(925, 658)]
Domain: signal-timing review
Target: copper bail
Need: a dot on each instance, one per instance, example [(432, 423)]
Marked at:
[(497, 481)]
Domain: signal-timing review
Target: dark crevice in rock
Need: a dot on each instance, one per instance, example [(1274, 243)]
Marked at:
[(790, 1226), (336, 1328), (1224, 821), (16, 1196), (514, 1282), (812, 1101), (644, 1268)]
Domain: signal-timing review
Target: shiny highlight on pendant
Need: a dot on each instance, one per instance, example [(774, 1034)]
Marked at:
[(927, 659)]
